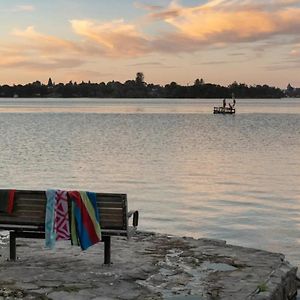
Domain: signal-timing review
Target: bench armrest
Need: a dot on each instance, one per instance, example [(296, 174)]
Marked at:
[(135, 220)]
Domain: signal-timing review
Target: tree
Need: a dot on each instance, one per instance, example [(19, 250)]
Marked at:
[(291, 91), (139, 89), (289, 88), (199, 82), (50, 82), (139, 79)]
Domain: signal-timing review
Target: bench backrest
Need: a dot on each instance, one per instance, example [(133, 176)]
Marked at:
[(30, 206)]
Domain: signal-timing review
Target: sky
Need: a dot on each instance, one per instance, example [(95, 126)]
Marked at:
[(221, 41)]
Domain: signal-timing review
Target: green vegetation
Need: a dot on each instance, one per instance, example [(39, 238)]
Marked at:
[(138, 88), (262, 288)]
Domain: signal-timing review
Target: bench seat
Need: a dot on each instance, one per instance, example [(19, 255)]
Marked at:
[(28, 218)]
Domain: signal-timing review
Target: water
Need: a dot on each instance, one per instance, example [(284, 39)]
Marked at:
[(187, 171)]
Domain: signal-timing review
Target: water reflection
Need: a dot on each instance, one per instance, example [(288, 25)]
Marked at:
[(233, 178), (94, 105)]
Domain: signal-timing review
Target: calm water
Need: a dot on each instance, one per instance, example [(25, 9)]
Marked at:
[(187, 171)]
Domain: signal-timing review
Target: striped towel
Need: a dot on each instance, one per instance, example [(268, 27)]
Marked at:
[(57, 217), (61, 225), (50, 235), (85, 227)]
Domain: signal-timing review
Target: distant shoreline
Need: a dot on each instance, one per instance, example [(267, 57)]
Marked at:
[(139, 89), (145, 98)]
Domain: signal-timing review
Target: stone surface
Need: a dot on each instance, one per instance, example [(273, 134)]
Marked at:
[(149, 266)]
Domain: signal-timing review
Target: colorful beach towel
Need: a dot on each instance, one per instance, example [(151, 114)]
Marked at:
[(61, 224), (50, 234), (57, 217), (85, 227), (7, 198)]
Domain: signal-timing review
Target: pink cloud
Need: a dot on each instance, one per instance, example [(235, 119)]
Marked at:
[(44, 43), (217, 23), (37, 51), (231, 21), (116, 38), (149, 7)]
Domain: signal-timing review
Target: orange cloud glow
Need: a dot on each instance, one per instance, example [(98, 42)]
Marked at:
[(37, 51), (223, 21), (218, 23), (46, 43), (92, 45), (116, 38)]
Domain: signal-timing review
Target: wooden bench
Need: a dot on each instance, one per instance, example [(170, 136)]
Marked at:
[(28, 218)]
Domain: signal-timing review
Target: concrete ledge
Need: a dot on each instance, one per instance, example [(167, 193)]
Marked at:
[(149, 266)]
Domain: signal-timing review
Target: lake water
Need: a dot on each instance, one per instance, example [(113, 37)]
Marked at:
[(188, 172)]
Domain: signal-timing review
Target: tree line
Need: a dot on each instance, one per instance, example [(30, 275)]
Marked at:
[(138, 88)]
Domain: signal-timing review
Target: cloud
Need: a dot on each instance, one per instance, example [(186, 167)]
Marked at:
[(19, 8), (45, 43), (216, 23), (37, 51), (237, 54), (154, 64), (165, 15), (116, 38), (292, 65), (219, 62), (10, 60), (286, 2), (86, 75), (172, 11), (54, 64), (149, 7), (230, 21), (26, 8)]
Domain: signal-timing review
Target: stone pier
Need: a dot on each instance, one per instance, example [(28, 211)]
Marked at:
[(149, 266)]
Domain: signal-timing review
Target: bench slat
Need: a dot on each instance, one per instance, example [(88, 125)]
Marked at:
[(112, 211), (33, 202), (28, 218), (30, 208), (116, 205)]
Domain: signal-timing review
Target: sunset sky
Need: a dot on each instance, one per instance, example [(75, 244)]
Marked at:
[(221, 41)]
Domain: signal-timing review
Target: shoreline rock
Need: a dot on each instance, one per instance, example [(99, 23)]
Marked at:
[(149, 266)]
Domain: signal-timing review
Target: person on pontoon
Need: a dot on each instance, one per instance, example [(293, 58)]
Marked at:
[(224, 103)]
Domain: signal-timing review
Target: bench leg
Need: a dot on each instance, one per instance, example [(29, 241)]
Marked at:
[(106, 240), (12, 245)]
